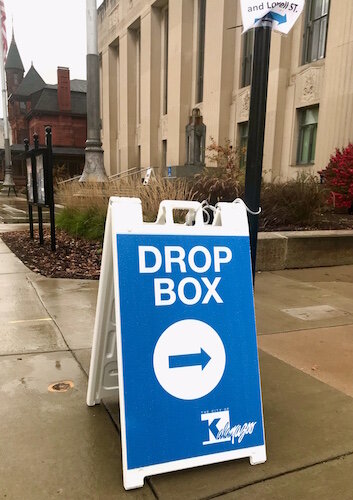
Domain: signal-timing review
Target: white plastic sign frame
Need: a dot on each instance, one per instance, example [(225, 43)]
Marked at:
[(175, 339)]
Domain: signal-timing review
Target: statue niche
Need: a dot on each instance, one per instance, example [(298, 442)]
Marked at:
[(195, 133)]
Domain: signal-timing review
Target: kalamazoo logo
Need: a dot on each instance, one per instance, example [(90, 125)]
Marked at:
[(219, 429)]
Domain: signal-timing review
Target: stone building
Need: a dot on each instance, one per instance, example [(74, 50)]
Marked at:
[(160, 60)]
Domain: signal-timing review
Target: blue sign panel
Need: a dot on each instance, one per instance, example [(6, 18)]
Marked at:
[(189, 354)]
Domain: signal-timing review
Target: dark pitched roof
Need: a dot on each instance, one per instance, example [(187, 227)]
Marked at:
[(78, 103), (31, 83), (79, 86), (48, 102), (14, 60), (75, 86)]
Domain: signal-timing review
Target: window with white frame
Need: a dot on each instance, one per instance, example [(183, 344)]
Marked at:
[(315, 30)]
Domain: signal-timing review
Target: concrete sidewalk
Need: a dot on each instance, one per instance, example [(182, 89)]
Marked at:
[(14, 209), (53, 446)]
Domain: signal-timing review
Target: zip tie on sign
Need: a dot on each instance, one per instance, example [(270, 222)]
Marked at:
[(191, 215), (239, 200), (205, 205)]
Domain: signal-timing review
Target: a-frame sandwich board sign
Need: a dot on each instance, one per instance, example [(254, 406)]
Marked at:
[(181, 339)]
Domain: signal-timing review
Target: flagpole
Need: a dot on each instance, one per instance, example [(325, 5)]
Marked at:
[(8, 179)]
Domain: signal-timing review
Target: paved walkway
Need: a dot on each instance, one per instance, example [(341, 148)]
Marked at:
[(53, 446), (14, 209)]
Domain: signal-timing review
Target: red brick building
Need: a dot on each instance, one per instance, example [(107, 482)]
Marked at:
[(33, 105)]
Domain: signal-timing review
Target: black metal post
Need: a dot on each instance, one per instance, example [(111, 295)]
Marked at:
[(30, 208), (36, 141), (257, 117), (50, 187), (40, 212), (30, 216), (40, 226)]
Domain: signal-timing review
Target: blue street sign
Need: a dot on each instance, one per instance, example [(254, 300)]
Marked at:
[(188, 344), (275, 17)]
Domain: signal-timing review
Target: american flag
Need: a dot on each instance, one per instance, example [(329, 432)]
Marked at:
[(3, 28)]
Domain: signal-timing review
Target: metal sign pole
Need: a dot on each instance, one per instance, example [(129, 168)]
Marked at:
[(39, 208), (257, 117), (93, 170), (50, 187), (30, 207)]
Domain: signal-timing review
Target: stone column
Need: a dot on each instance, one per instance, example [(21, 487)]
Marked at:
[(127, 94), (109, 108), (219, 68), (150, 85), (276, 106), (179, 78)]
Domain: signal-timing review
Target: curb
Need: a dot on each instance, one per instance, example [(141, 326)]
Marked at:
[(303, 249)]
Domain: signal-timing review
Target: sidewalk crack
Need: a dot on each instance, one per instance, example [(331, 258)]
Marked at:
[(275, 476), (28, 278)]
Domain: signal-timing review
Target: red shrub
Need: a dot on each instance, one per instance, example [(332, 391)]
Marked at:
[(338, 177)]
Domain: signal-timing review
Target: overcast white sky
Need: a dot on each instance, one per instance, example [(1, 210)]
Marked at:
[(50, 33)]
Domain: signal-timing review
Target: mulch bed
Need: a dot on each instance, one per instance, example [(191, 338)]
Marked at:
[(80, 258), (74, 258), (326, 221)]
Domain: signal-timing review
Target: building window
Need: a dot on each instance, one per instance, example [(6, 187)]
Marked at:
[(315, 32), (22, 135), (138, 72), (247, 58), (200, 50), (164, 154), (308, 119), (165, 59), (243, 143)]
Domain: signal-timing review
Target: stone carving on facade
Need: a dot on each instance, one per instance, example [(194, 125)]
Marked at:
[(308, 87), (114, 18), (243, 105)]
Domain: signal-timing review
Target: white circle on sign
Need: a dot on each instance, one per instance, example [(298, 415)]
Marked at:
[(189, 359)]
